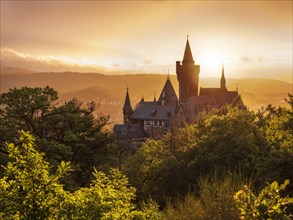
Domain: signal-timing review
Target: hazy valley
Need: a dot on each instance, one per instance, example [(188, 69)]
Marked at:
[(109, 90)]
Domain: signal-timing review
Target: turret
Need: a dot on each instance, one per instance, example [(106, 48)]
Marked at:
[(187, 75), (127, 109)]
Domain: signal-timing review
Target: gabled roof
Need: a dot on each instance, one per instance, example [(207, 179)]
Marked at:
[(151, 111), (168, 94), (187, 58), (127, 105)]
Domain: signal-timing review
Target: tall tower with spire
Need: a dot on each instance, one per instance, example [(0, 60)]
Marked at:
[(127, 109), (187, 75), (223, 80)]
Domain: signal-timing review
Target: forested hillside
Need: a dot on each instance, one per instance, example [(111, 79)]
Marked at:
[(58, 161)]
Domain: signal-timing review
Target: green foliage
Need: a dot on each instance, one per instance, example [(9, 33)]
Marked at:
[(159, 169), (267, 205), (188, 208), (108, 197), (180, 139), (145, 163), (25, 108), (278, 130), (29, 191), (214, 200), (280, 127), (230, 140), (70, 132), (216, 195)]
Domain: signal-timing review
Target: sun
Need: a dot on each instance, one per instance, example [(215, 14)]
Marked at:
[(212, 63), (212, 58)]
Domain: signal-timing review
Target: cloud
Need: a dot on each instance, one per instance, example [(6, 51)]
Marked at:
[(46, 63), (250, 59), (147, 61), (245, 59), (14, 58)]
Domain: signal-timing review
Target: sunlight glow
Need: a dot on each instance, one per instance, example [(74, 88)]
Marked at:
[(211, 63)]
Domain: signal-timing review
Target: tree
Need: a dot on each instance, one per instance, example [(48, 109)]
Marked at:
[(28, 190), (70, 132), (280, 128), (279, 134), (25, 108), (160, 167), (230, 140)]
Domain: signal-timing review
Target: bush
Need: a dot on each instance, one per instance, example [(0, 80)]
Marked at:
[(267, 205), (215, 200)]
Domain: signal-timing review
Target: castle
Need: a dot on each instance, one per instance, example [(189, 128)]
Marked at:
[(152, 118)]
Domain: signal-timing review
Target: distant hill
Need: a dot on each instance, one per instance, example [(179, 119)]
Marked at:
[(109, 90), (13, 70)]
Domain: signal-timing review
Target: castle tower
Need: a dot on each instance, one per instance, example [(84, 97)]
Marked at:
[(127, 109), (223, 80), (187, 75)]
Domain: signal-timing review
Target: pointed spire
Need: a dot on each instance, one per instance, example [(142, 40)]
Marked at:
[(168, 77), (187, 58), (223, 71), (223, 80), (155, 99), (127, 105)]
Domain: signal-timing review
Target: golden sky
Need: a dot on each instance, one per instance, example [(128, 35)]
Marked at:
[(252, 38)]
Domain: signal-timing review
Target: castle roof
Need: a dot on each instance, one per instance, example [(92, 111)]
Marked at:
[(168, 94), (129, 131), (211, 91), (221, 96), (210, 98), (152, 111)]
